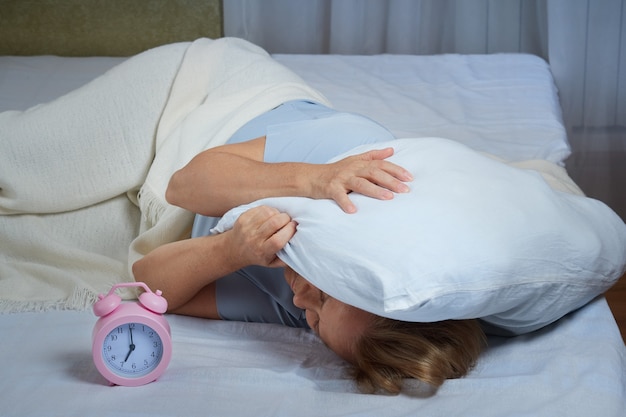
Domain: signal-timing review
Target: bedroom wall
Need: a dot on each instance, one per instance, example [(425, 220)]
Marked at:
[(97, 27)]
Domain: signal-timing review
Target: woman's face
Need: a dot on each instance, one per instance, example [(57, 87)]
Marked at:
[(339, 325)]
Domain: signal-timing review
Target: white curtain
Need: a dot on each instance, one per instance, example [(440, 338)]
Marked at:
[(583, 40), (389, 26)]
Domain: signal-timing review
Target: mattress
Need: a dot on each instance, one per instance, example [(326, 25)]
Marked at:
[(505, 104)]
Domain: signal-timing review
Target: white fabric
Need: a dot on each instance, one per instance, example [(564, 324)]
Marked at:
[(419, 27), (80, 160), (29, 80), (574, 368), (504, 104), (475, 238)]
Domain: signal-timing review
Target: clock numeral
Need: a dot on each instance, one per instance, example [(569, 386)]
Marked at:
[(120, 349)]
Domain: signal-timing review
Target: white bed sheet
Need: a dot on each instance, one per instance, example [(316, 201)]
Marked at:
[(506, 104), (574, 368)]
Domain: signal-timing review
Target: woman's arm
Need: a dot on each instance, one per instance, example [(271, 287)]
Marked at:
[(182, 269), (224, 177)]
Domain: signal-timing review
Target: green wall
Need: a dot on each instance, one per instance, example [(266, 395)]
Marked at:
[(103, 27)]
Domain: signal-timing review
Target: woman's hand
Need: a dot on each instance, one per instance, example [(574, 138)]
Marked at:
[(367, 173), (181, 269), (258, 235)]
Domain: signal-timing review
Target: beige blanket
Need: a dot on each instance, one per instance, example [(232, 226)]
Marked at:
[(83, 178)]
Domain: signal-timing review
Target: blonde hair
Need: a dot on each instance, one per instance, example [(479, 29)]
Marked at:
[(391, 350)]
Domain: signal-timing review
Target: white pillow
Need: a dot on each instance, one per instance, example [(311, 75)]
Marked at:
[(474, 238)]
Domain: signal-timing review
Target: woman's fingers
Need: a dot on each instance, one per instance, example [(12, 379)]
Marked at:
[(368, 174), (380, 179), (260, 233)]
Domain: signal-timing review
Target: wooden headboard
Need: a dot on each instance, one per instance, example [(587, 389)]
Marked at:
[(103, 27)]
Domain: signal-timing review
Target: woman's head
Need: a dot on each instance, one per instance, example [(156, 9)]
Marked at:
[(382, 351), (339, 325)]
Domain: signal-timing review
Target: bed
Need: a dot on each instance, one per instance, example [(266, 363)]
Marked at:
[(505, 104)]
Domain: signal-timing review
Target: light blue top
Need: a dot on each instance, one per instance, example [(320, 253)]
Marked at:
[(296, 131)]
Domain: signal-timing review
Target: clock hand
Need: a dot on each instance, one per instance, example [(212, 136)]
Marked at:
[(132, 345)]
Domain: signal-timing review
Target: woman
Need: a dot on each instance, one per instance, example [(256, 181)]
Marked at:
[(237, 276)]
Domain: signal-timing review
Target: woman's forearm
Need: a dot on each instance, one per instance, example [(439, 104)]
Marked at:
[(215, 182), (180, 269)]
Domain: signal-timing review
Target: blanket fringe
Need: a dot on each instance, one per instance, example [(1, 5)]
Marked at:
[(81, 299), (152, 207)]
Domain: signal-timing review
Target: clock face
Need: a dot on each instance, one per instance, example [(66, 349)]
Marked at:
[(132, 350)]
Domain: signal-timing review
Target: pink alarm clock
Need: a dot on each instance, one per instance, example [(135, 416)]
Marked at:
[(132, 343)]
